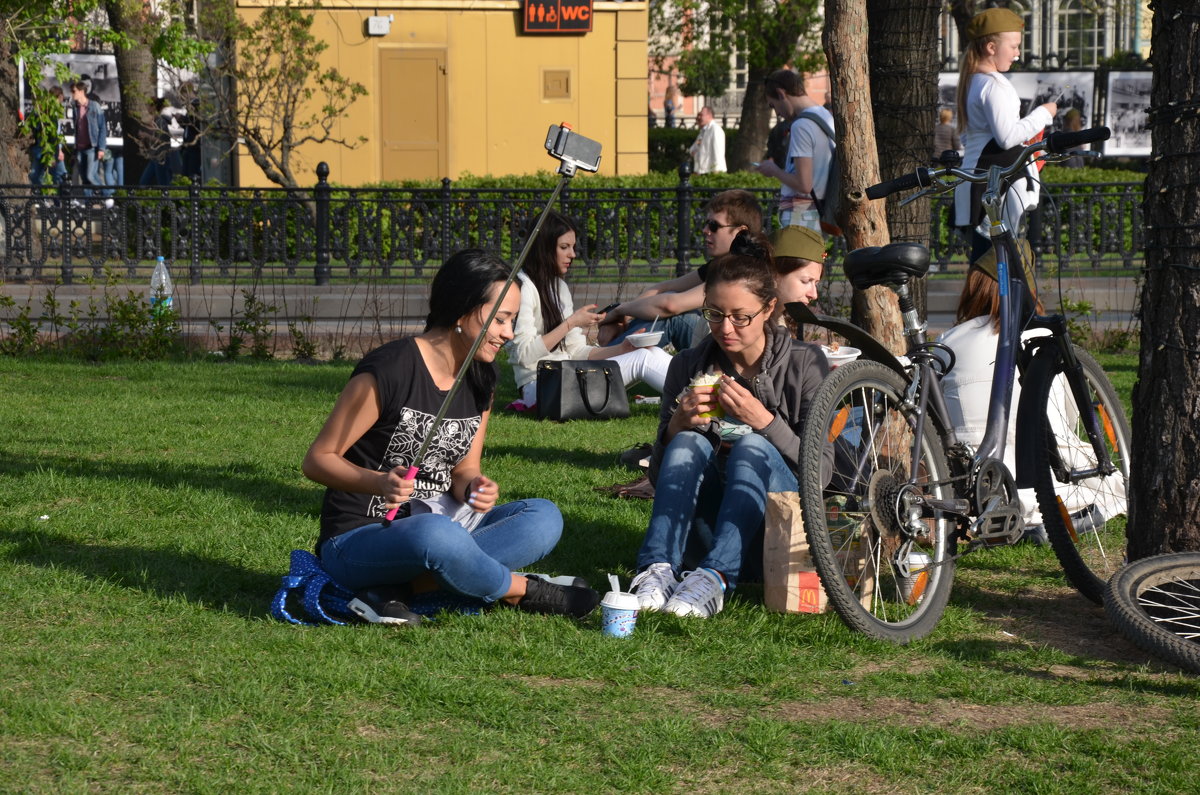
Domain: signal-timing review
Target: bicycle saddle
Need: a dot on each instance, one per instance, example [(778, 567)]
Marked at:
[(894, 263)]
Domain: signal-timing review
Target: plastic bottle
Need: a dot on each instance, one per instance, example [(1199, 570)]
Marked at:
[(162, 290)]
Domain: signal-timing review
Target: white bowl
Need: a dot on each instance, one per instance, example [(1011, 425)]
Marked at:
[(645, 339), (843, 354)]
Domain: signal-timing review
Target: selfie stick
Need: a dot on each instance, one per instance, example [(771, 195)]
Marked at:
[(574, 151)]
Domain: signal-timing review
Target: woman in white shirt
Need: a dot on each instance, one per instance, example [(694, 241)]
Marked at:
[(549, 327), (989, 118), (968, 389)]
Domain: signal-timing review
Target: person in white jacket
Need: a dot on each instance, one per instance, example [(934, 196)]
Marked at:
[(989, 118), (708, 150), (968, 389), (549, 327)]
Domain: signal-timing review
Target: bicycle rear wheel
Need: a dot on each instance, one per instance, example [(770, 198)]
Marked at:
[(1085, 517), (1155, 602), (851, 521)]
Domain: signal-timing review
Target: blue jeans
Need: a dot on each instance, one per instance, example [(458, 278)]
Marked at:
[(37, 171), (114, 171), (89, 169), (696, 495), (476, 564)]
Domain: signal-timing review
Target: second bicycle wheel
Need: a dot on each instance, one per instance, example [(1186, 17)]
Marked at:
[(851, 519), (1084, 511), (1155, 602)]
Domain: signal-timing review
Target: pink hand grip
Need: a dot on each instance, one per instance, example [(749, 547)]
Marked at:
[(411, 474)]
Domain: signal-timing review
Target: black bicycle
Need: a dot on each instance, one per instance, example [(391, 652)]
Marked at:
[(906, 498), (1155, 602)]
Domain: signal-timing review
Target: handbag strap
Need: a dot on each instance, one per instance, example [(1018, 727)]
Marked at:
[(581, 373)]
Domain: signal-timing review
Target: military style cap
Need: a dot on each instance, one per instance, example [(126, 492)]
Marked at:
[(987, 261), (994, 20), (799, 242)]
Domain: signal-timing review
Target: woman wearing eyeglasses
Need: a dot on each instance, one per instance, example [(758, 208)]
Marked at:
[(721, 448)]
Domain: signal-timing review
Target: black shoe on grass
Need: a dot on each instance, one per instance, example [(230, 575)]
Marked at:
[(382, 605), (548, 598), (561, 579)]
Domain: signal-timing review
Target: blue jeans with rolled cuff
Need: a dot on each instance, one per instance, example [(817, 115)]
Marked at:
[(474, 563)]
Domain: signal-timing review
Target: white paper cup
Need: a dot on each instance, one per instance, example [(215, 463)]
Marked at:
[(645, 339), (618, 614), (842, 355)]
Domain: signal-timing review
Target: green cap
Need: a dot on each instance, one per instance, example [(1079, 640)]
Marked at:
[(994, 20), (799, 242)]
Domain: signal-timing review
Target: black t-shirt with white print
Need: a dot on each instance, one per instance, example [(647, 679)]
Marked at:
[(409, 400)]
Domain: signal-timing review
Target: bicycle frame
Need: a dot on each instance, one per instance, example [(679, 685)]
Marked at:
[(992, 507)]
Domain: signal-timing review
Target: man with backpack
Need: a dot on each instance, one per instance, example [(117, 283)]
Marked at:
[(810, 181)]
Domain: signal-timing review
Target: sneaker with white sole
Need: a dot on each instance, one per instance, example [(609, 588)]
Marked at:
[(382, 605), (702, 593), (654, 586)]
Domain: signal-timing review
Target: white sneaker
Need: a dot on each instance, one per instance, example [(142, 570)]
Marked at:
[(700, 594), (654, 586)]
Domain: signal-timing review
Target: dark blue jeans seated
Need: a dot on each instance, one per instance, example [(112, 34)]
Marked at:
[(696, 495)]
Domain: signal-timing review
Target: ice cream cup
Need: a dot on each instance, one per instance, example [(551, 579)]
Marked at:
[(618, 614), (710, 380)]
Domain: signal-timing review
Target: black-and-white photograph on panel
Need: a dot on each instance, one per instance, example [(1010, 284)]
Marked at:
[(1128, 101)]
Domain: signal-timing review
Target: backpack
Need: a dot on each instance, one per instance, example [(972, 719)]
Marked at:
[(828, 206)]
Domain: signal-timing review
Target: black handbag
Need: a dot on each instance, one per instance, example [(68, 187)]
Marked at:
[(587, 389)]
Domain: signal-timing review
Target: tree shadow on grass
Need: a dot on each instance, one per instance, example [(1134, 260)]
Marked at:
[(263, 490), (1054, 618), (214, 584)]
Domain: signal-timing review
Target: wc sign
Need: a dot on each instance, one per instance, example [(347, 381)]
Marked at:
[(558, 16)]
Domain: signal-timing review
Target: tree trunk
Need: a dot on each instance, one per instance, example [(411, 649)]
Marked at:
[(1165, 470), (14, 158), (862, 221), (904, 67), (750, 142), (136, 67)]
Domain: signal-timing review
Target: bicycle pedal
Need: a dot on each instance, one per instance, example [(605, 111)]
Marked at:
[(998, 527)]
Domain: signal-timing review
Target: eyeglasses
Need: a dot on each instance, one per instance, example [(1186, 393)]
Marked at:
[(713, 226), (738, 320)]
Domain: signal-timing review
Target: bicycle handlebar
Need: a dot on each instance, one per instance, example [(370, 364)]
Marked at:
[(919, 178), (1055, 143), (1060, 142)]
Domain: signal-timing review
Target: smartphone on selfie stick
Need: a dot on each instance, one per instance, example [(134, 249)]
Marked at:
[(574, 152)]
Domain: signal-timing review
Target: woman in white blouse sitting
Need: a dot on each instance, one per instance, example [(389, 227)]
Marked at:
[(549, 327)]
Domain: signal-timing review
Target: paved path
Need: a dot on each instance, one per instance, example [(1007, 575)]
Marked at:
[(389, 310)]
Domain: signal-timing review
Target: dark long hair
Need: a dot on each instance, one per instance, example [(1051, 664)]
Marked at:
[(463, 285), (542, 266)]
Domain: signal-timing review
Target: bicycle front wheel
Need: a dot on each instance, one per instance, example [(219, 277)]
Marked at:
[(1155, 602), (854, 521), (1084, 511)]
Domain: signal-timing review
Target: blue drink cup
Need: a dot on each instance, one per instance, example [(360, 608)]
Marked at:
[(618, 614)]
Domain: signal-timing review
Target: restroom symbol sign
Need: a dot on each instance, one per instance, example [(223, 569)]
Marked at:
[(558, 16)]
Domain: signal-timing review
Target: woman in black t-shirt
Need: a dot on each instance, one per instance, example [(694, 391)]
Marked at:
[(448, 531)]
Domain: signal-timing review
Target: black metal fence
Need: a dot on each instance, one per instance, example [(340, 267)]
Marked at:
[(326, 235)]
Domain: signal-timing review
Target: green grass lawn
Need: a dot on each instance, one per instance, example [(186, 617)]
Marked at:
[(147, 512)]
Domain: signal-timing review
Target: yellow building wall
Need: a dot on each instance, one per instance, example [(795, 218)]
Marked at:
[(497, 116)]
